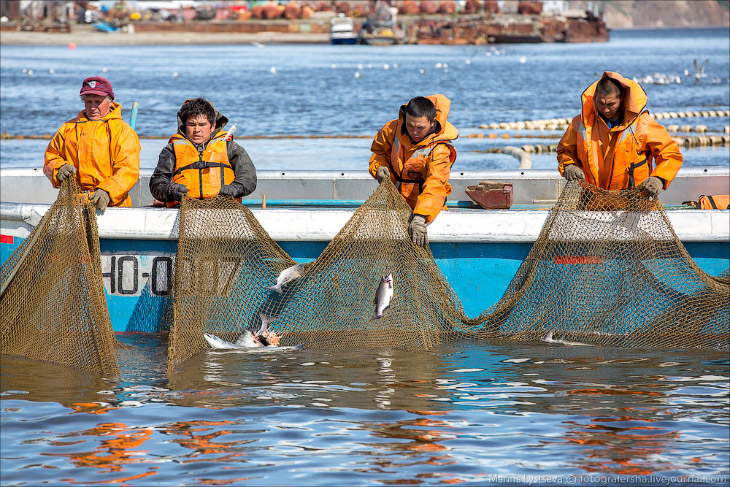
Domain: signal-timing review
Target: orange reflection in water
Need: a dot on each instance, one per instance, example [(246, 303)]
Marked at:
[(623, 450), (425, 438), (200, 442), (91, 407), (120, 446)]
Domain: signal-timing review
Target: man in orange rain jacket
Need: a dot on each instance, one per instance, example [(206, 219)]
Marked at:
[(614, 143), (199, 162), (416, 152), (98, 147)]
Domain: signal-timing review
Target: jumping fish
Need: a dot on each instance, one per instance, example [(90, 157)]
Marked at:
[(549, 339), (383, 296), (287, 275)]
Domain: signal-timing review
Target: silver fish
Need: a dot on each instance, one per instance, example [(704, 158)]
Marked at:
[(286, 276), (246, 340), (549, 339), (383, 296)]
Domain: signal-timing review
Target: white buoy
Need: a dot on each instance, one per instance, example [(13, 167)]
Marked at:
[(104, 70), (25, 70), (421, 71), (446, 70), (357, 74), (438, 65), (523, 60), (395, 65), (370, 66), (175, 74), (386, 67), (51, 71), (30, 72), (359, 67), (273, 70), (467, 61), (334, 66)]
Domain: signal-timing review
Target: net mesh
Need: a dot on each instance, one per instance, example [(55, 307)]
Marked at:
[(53, 306), (607, 269)]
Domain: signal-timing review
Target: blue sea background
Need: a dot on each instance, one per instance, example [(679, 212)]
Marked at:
[(314, 91)]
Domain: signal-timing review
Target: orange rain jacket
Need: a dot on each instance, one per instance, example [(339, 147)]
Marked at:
[(105, 153), (623, 156), (420, 171)]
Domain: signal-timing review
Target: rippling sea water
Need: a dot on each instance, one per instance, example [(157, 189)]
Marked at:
[(466, 412), (474, 413)]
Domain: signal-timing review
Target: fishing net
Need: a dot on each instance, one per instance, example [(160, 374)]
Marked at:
[(225, 261), (53, 306), (607, 269)]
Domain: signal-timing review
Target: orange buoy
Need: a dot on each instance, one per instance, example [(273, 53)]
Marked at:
[(72, 45)]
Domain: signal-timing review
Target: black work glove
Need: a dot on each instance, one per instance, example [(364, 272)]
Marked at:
[(100, 198), (417, 230), (230, 190), (177, 191), (65, 171)]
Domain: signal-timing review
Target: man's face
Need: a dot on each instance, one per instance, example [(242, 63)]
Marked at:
[(198, 129), (609, 106), (418, 127), (96, 107)]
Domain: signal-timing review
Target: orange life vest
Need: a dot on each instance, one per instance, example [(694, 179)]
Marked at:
[(203, 173)]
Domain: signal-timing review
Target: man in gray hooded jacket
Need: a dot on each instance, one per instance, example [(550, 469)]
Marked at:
[(199, 162)]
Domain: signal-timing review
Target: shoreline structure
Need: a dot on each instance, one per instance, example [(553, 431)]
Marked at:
[(430, 29)]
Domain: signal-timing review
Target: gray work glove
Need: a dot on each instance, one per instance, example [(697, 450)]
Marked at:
[(652, 185), (229, 190), (100, 198), (382, 173), (65, 171), (417, 230), (573, 172), (177, 191)]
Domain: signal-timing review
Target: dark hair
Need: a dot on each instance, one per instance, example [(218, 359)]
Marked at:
[(609, 86), (194, 107), (421, 107)]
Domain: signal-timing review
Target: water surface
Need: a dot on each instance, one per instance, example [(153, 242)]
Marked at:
[(465, 412), (314, 91)]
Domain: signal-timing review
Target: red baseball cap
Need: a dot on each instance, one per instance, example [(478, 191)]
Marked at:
[(96, 85)]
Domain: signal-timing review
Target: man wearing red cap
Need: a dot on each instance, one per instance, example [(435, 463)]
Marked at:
[(97, 147)]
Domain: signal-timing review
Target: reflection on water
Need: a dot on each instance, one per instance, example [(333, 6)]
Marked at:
[(466, 412)]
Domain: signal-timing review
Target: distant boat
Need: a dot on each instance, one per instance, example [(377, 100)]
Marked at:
[(380, 36), (105, 27), (341, 30), (381, 27)]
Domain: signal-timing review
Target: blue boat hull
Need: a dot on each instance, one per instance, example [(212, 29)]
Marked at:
[(136, 273), (349, 41)]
